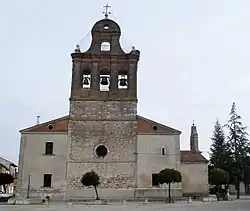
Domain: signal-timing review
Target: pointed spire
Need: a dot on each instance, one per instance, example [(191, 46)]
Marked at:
[(194, 140)]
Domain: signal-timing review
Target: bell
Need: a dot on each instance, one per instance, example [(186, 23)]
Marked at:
[(85, 81), (123, 82), (104, 81)]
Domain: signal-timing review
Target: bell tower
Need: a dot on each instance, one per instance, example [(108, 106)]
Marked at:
[(103, 108)]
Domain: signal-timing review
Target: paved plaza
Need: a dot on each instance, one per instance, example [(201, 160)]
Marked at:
[(241, 205)]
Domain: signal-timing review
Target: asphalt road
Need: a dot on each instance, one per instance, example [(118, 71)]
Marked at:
[(241, 205)]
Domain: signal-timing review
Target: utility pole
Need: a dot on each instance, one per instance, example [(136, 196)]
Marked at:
[(28, 189)]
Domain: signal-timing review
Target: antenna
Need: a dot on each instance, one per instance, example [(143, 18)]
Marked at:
[(38, 120)]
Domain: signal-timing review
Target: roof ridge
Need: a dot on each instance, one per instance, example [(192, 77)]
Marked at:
[(66, 117), (160, 124), (44, 123), (2, 160)]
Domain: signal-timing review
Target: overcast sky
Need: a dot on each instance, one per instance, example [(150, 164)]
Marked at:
[(194, 60)]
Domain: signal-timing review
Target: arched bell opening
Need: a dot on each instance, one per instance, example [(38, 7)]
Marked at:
[(123, 79), (86, 79), (104, 80), (105, 46)]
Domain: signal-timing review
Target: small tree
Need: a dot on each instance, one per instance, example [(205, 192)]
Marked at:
[(169, 176), (5, 180), (219, 177), (219, 149), (238, 145), (91, 179)]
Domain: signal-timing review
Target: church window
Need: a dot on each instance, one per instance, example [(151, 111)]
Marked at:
[(106, 27), (163, 151), (105, 46), (123, 80), (104, 80), (101, 151), (86, 79), (47, 178), (49, 148), (50, 127), (155, 127), (155, 181)]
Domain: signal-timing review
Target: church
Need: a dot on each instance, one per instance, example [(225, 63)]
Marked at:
[(104, 133)]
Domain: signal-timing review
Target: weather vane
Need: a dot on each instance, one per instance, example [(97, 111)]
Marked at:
[(106, 13)]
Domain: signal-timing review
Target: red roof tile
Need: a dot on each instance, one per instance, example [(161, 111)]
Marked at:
[(192, 157), (145, 126), (59, 125)]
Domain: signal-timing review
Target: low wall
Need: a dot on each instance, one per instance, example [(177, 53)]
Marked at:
[(56, 195), (89, 193), (111, 194), (122, 194), (156, 193)]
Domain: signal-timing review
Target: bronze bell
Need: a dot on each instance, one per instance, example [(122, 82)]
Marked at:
[(123, 82), (85, 81), (104, 80)]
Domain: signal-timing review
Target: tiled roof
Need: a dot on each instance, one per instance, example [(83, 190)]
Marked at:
[(192, 157), (144, 126), (6, 163), (59, 125)]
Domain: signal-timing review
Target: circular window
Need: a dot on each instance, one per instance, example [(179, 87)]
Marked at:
[(106, 27), (101, 151), (155, 127), (50, 127)]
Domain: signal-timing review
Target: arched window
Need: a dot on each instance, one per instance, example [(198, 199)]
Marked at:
[(123, 80), (105, 46)]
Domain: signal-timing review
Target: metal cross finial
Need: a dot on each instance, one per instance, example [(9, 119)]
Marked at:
[(193, 122), (106, 13)]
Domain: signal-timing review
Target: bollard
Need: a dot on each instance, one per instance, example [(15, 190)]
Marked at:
[(189, 200)]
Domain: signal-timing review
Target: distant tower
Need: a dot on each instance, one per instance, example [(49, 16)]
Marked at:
[(103, 110), (194, 140)]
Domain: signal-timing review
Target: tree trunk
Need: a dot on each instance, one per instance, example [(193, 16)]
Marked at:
[(218, 193), (4, 188), (96, 193), (238, 187), (238, 190), (169, 192), (247, 189)]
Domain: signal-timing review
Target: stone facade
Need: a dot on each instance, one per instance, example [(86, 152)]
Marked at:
[(104, 133), (117, 176), (103, 118)]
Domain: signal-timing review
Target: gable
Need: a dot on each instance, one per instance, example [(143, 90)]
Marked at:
[(59, 125), (144, 126), (192, 157), (147, 126)]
